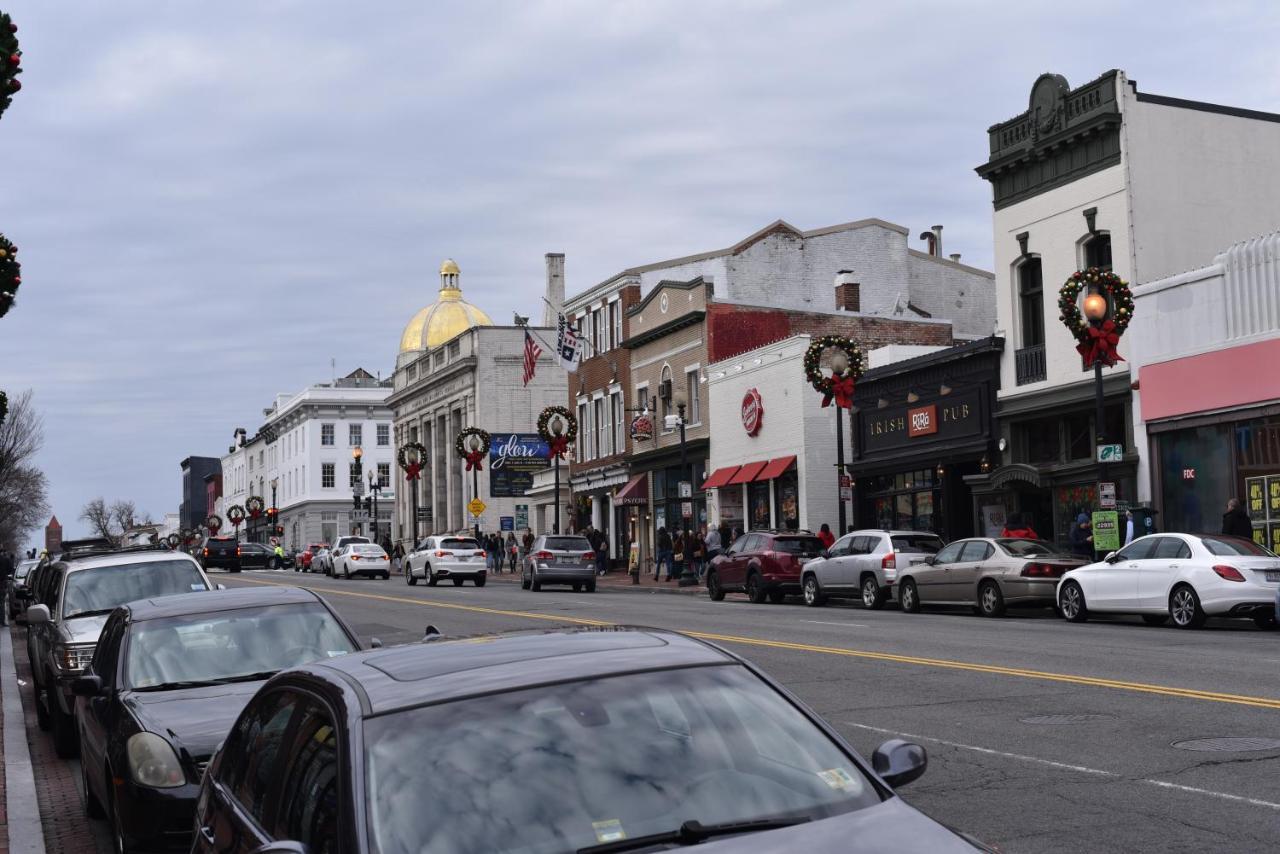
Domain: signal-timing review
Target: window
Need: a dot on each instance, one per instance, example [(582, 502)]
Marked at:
[(355, 435), (693, 413), (600, 330), (384, 435), (1080, 436), (326, 434), (601, 428), (949, 554), (1031, 303), (326, 476), (310, 801), (251, 462), (455, 350), (249, 757), (384, 474), (1097, 252), (582, 429), (1172, 548), (642, 398), (1139, 549), (353, 475), (975, 550), (261, 457), (618, 437), (615, 320), (666, 401)]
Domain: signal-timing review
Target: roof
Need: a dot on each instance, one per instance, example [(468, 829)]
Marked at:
[(445, 670), (212, 601), (136, 554)]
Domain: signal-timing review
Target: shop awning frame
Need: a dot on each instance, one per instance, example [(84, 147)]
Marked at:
[(747, 473), (719, 477), (776, 467), (636, 492)]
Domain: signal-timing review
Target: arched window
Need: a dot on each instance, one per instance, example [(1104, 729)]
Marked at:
[(1031, 302), (666, 391), (1096, 251)]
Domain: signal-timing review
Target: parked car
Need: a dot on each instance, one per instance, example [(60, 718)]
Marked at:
[(361, 559), (18, 594), (75, 600), (1186, 577), (638, 739), (167, 681), (560, 559), (763, 564), (342, 541), (261, 556), (308, 555), (867, 564), (221, 553), (456, 558), (322, 561)]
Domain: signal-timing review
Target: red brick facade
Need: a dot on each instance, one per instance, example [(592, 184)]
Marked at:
[(735, 329), (598, 373)]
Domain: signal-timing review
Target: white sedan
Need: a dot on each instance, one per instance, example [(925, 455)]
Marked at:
[(1186, 577), (361, 559)]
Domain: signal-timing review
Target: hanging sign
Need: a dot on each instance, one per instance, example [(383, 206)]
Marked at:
[(752, 412)]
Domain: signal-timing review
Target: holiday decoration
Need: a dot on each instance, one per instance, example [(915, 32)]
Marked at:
[(474, 458), (10, 61), (10, 275), (254, 505), (1096, 342), (558, 445), (235, 515), (838, 386), (213, 523), (173, 541), (412, 469)]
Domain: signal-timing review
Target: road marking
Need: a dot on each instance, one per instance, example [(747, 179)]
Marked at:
[(826, 623), (1193, 790), (941, 663)]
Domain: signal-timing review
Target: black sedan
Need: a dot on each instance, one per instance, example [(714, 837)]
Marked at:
[(582, 740), (168, 678)]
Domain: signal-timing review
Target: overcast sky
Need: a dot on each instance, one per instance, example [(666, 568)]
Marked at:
[(214, 199)]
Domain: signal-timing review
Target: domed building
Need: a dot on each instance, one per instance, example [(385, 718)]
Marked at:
[(456, 369)]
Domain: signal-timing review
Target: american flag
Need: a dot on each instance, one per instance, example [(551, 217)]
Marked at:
[(531, 353)]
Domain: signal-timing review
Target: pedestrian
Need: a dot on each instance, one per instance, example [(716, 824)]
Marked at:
[(697, 545), (279, 552), (824, 534), (712, 542), (512, 550), (526, 546), (6, 572), (1081, 537), (397, 557), (665, 555), (1016, 528), (1128, 527), (1236, 522), (602, 553)]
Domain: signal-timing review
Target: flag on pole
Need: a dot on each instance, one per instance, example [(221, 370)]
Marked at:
[(531, 353), (567, 344)]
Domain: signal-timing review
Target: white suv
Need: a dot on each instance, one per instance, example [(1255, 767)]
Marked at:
[(866, 563), (456, 558)]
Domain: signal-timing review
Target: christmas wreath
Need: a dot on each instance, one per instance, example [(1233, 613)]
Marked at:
[(254, 505), (10, 275), (1096, 342), (558, 445), (412, 469), (10, 61), (837, 387), (235, 515), (213, 523), (173, 540), (475, 459)]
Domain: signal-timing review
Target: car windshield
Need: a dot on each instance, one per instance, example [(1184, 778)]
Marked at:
[(455, 543), (798, 545), (24, 568), (229, 646), (567, 544), (1229, 546), (1026, 548), (916, 543), (101, 589), (366, 550), (561, 767)]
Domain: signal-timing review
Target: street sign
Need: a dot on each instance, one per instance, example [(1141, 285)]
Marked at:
[(686, 509), (475, 506), (846, 494), (846, 482), (359, 515), (686, 489), (507, 523), (1110, 453), (424, 514), (357, 488), (1106, 530), (1107, 495)]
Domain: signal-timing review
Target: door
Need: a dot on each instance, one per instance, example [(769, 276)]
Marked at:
[(1114, 587), (831, 571), (734, 570), (963, 579), (307, 804), (931, 581), (97, 714), (863, 558), (1156, 574)]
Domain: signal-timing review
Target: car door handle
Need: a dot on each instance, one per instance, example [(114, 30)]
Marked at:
[(207, 834)]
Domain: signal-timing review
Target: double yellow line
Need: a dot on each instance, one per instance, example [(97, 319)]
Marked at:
[(998, 670)]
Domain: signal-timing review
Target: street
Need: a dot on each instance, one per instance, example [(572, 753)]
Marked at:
[(1043, 736)]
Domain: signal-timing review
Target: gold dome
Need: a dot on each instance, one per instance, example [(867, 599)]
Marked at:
[(445, 318)]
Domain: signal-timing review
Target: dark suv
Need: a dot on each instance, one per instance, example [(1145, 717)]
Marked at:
[(220, 553), (763, 564)]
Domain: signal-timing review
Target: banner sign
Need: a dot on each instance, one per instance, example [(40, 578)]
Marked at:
[(513, 459), (956, 416)]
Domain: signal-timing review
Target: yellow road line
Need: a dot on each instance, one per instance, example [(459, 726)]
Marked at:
[(995, 669)]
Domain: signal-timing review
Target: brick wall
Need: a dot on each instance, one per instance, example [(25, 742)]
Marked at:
[(735, 329), (598, 373)]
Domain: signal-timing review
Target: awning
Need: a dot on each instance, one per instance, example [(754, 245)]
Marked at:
[(747, 473), (775, 468), (635, 492), (720, 477)]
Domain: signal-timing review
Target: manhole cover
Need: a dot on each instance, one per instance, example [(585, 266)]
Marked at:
[(1229, 745), (1067, 719)]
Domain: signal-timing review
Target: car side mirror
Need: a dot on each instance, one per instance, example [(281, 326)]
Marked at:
[(374, 643), (826, 553), (283, 847), (37, 614), (88, 685), (219, 587), (899, 762), (931, 560), (1111, 557)]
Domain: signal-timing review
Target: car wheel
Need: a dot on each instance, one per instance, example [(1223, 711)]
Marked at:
[(755, 588), (777, 596), (42, 711), (386, 576), (591, 587), (535, 585), (235, 569), (432, 581), (909, 595), (872, 596), (577, 588), (990, 600), (480, 580), (812, 593), (409, 578), (92, 806), (524, 582), (66, 741), (1155, 619), (457, 582), (1184, 608), (1071, 603), (714, 590), (1266, 622)]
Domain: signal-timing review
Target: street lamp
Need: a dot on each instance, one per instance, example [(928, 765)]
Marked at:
[(1095, 309), (840, 367), (375, 484), (275, 513), (357, 476), (473, 445), (557, 427), (688, 577)]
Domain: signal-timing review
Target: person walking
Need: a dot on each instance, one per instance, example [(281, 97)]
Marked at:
[(397, 557), (526, 546), (511, 550), (665, 556), (824, 534), (279, 552), (711, 548), (601, 546), (1082, 537), (1015, 527), (1236, 521)]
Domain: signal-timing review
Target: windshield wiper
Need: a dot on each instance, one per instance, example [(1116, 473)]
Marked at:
[(692, 832), (247, 677), (176, 686), (98, 613)]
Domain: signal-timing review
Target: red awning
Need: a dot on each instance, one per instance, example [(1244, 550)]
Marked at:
[(635, 492), (748, 473), (775, 468), (720, 477)]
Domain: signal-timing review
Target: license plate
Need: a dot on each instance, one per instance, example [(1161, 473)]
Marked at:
[(1273, 576), (463, 558), (569, 561)]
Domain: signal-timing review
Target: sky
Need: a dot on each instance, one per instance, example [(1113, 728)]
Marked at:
[(213, 200)]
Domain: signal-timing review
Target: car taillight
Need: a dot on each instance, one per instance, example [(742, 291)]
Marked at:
[(543, 556), (443, 553), (1041, 570), (588, 555), (1230, 573), (478, 554), (889, 561), (355, 557), (206, 552), (237, 551)]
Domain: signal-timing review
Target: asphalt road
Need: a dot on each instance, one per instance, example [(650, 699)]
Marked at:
[(1043, 736)]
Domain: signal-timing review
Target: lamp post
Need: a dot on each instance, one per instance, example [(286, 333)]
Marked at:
[(1095, 309), (557, 427), (275, 513), (840, 366), (688, 577), (375, 484), (357, 476), (473, 444)]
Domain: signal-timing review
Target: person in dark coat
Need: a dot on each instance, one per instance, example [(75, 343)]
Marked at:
[(1082, 536), (1236, 522), (664, 555)]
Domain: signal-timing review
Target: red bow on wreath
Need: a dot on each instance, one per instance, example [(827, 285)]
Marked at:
[(254, 514), (411, 471), (559, 446), (841, 390), (1100, 345), (474, 461)]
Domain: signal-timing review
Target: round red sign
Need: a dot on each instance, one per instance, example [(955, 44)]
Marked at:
[(752, 412)]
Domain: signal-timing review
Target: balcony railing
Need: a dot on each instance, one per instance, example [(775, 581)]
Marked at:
[(1029, 364)]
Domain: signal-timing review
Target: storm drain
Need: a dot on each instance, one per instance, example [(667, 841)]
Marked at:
[(1059, 720), (1229, 745)]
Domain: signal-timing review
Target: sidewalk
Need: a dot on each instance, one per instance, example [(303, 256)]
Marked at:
[(621, 581)]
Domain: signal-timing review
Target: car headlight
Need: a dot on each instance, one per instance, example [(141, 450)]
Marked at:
[(153, 762), (73, 658)]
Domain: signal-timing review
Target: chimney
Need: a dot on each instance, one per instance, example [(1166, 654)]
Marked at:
[(932, 240), (955, 256), (937, 240), (848, 292), (555, 288)]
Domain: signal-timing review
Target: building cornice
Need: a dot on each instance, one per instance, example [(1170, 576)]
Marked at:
[(692, 318)]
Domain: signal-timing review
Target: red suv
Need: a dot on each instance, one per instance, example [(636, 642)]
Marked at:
[(762, 564)]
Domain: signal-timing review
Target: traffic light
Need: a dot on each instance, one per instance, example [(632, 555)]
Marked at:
[(355, 500), (368, 505)]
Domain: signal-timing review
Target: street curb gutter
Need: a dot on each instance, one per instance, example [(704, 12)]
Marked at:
[(25, 833)]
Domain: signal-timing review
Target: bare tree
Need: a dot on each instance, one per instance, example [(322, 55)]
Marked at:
[(23, 488), (98, 516), (113, 520)]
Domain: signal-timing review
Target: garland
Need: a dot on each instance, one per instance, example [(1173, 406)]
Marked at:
[(254, 505), (213, 523), (411, 470), (10, 61), (10, 275), (557, 446), (837, 387), (475, 459), (1096, 343), (235, 515)]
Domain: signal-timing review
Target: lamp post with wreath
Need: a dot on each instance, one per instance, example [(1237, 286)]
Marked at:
[(558, 428), (235, 515), (411, 458), (846, 368), (472, 444), (254, 506)]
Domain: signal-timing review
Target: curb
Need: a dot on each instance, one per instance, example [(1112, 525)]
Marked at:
[(26, 836), (698, 590)]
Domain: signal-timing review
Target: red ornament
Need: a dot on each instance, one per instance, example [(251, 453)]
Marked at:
[(17, 280), (15, 84), (474, 459), (412, 470), (559, 446), (15, 59), (841, 391), (13, 28)]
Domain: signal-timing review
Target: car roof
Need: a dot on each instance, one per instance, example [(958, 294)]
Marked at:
[(212, 601), (891, 532), (126, 556), (443, 670)]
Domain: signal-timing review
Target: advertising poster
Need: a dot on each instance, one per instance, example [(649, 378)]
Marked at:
[(1255, 492), (1106, 530), (513, 459), (1273, 498), (1274, 545), (507, 523), (522, 516)]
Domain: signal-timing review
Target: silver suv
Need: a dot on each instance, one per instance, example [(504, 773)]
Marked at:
[(560, 559), (866, 563), (73, 604)]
